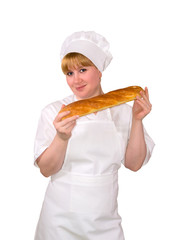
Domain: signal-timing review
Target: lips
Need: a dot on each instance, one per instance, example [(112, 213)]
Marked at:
[(80, 88)]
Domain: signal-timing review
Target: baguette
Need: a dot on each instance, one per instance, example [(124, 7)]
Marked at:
[(100, 102)]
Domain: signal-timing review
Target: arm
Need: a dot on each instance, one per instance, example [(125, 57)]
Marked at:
[(136, 148), (51, 160)]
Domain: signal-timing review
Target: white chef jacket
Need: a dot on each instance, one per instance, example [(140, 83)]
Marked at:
[(81, 199), (121, 115)]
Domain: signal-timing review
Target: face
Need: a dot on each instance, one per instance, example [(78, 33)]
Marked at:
[(85, 82)]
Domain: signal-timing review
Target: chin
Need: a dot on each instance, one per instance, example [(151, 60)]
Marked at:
[(85, 94), (81, 95)]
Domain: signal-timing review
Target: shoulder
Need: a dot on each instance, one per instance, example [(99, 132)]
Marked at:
[(123, 109), (53, 108), (121, 113)]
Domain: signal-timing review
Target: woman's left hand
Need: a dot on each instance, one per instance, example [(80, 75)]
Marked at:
[(142, 105)]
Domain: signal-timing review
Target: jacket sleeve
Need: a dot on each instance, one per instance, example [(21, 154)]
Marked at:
[(148, 140), (149, 146), (45, 132), (124, 123)]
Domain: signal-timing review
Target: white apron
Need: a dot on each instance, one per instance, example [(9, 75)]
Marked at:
[(81, 199)]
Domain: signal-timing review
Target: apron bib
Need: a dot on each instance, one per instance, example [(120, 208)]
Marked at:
[(81, 199)]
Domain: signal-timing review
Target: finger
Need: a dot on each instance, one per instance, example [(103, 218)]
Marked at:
[(68, 124), (144, 105), (146, 92), (67, 128), (71, 126), (60, 116), (63, 123), (70, 119), (63, 105), (144, 102), (145, 97)]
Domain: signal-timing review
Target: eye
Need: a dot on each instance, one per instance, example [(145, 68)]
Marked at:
[(69, 73), (83, 70)]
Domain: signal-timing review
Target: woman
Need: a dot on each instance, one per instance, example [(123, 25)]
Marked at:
[(83, 155)]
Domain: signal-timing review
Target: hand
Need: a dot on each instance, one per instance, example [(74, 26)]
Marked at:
[(142, 105), (64, 127)]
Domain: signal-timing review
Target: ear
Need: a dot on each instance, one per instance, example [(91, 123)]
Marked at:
[(100, 74)]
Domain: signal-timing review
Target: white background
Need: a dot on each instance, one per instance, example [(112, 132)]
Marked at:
[(143, 39)]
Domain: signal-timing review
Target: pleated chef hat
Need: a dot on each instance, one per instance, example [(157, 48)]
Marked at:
[(91, 44)]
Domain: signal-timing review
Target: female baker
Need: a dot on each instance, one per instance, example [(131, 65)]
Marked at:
[(83, 155)]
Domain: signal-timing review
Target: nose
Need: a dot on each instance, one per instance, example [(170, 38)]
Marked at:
[(77, 78)]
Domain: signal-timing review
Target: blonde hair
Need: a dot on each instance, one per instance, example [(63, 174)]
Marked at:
[(74, 60)]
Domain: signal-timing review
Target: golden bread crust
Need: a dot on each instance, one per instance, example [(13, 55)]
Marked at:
[(98, 103)]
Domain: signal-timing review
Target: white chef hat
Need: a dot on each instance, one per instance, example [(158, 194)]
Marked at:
[(91, 44)]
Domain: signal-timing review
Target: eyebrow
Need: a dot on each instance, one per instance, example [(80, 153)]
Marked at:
[(77, 68)]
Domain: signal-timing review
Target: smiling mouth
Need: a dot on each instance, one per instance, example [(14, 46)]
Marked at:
[(80, 88)]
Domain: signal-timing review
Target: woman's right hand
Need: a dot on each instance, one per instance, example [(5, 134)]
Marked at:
[(64, 127)]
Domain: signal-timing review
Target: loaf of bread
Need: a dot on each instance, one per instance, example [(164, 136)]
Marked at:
[(100, 102)]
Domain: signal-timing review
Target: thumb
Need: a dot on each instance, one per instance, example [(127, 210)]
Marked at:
[(63, 105)]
